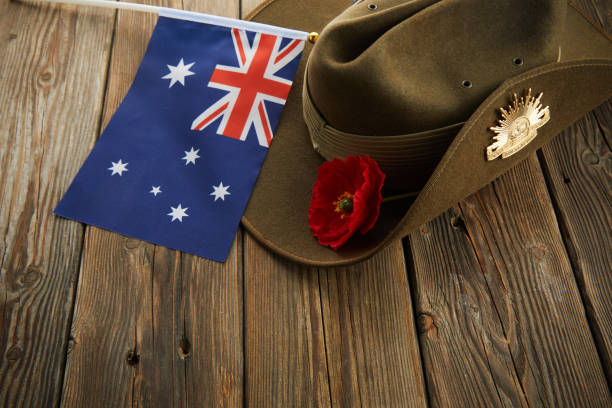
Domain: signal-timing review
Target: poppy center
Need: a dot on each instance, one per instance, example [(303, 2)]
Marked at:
[(344, 204)]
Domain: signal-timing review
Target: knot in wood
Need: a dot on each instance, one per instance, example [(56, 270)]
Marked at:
[(31, 276), (46, 79), (131, 243), (539, 252), (458, 223), (14, 353), (589, 157), (428, 324), (132, 358), (184, 348)]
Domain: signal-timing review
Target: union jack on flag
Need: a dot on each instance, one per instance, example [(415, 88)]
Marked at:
[(249, 85), (159, 175)]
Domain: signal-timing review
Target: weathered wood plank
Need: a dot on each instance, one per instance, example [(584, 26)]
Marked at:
[(213, 299), (465, 351), (284, 344), (348, 333), (213, 314), (599, 10), (372, 351), (153, 326), (578, 166), (362, 351), (530, 294), (343, 337), (41, 54)]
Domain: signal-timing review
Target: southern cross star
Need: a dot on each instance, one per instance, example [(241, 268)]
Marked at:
[(178, 213), (220, 191), (191, 156), (155, 190), (178, 73), (118, 168)]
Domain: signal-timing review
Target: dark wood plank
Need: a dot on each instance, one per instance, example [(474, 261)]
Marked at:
[(544, 353), (153, 326), (578, 167), (42, 139), (372, 351)]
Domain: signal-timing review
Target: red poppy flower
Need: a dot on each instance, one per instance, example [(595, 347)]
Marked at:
[(345, 199)]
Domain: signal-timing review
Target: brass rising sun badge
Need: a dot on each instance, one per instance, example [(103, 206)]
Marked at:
[(518, 126)]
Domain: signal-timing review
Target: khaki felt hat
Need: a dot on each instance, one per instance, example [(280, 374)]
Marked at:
[(418, 86)]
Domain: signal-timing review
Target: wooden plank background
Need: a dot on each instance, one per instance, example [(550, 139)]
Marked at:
[(504, 300)]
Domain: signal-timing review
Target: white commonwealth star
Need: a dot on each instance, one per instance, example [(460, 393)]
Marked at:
[(220, 191), (178, 213), (191, 156), (155, 190), (118, 167), (178, 73)]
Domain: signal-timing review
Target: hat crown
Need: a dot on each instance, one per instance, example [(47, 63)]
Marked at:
[(390, 67)]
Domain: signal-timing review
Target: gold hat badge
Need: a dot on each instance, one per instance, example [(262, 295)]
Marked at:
[(518, 126)]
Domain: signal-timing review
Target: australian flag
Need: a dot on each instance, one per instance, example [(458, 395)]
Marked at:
[(177, 163)]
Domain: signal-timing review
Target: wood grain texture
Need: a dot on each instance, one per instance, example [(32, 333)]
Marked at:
[(152, 326), (372, 351), (578, 169), (213, 302), (513, 222), (284, 344), (578, 166), (41, 54), (599, 10), (465, 350), (248, 6), (530, 293)]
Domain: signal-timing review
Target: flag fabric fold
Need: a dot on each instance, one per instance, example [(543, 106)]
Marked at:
[(178, 161)]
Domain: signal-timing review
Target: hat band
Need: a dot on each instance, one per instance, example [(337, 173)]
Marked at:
[(407, 160)]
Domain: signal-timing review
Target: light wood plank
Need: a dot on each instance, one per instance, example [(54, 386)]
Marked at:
[(341, 337), (247, 6), (530, 294), (153, 326), (370, 336), (362, 350), (213, 302), (43, 138), (465, 351), (284, 349)]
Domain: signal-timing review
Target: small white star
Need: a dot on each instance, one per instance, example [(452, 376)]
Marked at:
[(178, 213), (178, 73), (191, 156), (220, 191), (118, 167), (155, 190)]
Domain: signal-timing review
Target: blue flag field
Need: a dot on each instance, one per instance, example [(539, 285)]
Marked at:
[(177, 163)]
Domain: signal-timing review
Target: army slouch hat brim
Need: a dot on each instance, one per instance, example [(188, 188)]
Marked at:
[(451, 117)]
